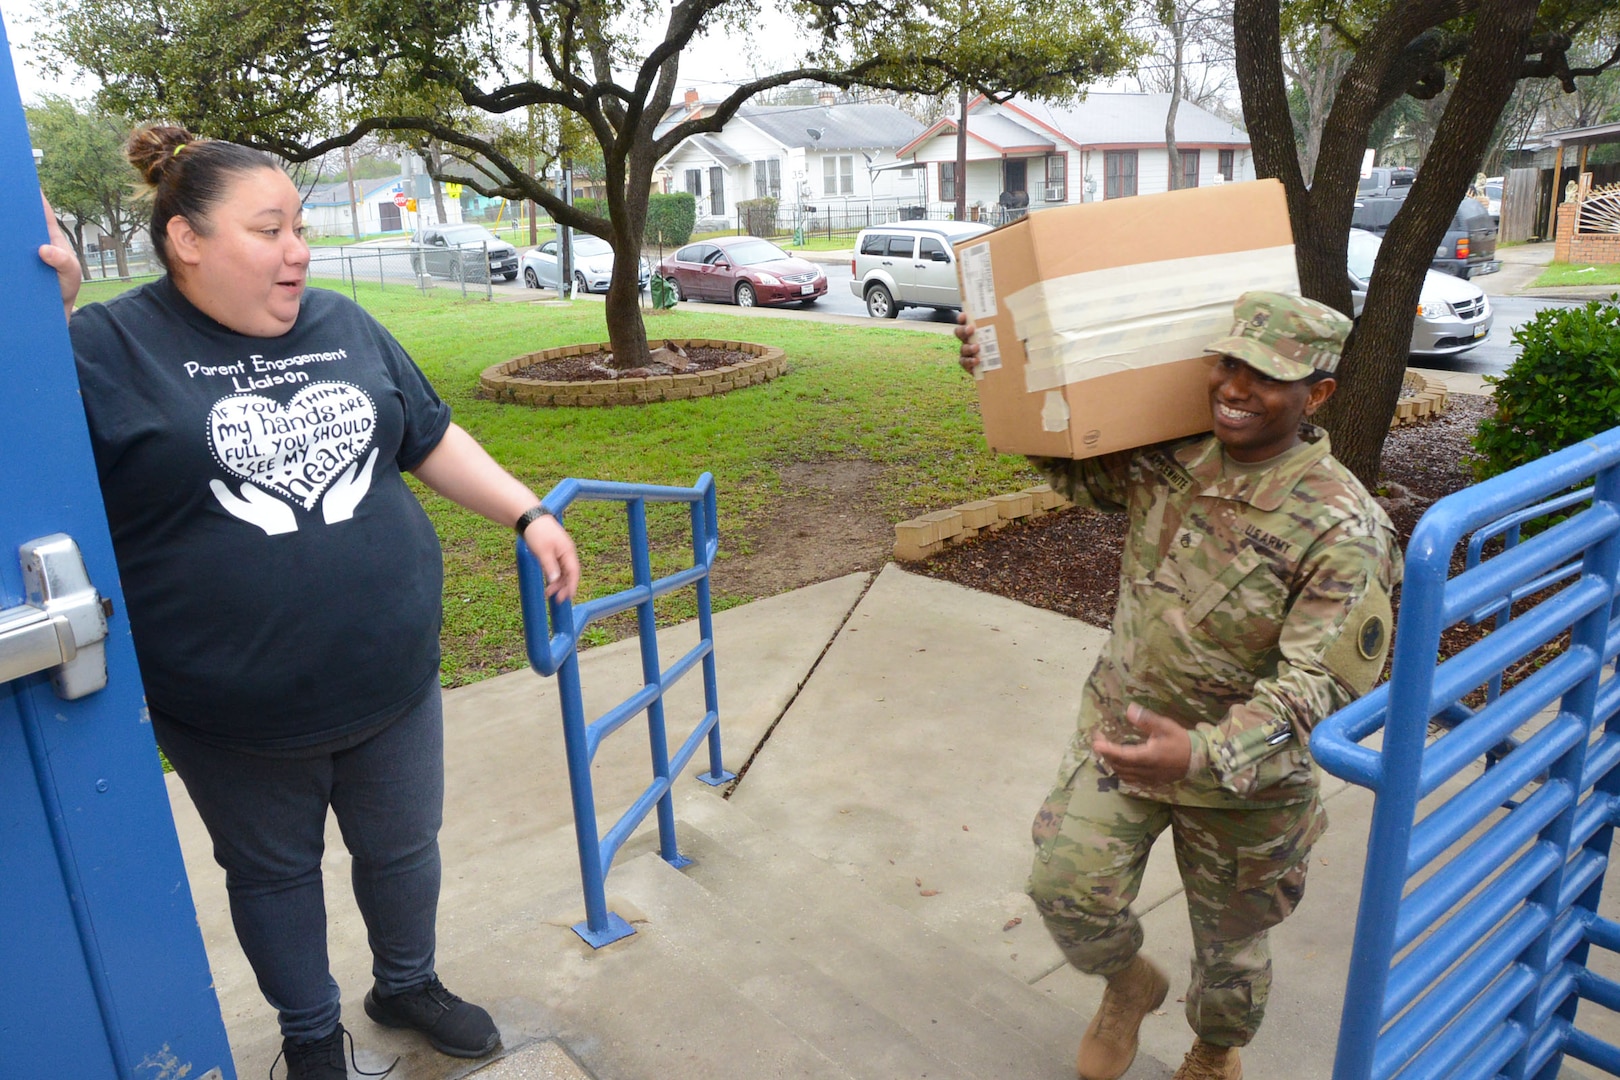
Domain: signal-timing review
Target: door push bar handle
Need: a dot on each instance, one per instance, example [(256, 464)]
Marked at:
[(63, 626)]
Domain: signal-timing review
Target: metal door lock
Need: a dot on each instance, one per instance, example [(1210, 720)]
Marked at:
[(62, 627)]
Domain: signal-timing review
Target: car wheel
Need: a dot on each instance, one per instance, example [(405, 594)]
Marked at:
[(675, 288), (579, 283), (457, 274), (809, 301), (531, 280), (745, 295), (509, 277), (879, 304)]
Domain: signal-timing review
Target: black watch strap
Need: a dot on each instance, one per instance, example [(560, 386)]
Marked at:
[(530, 517)]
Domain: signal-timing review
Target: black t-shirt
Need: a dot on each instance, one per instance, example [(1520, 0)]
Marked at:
[(283, 583)]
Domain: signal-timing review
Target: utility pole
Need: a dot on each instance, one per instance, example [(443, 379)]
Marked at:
[(348, 172), (534, 208), (565, 266)]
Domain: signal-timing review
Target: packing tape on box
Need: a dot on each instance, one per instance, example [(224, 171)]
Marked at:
[(1123, 318)]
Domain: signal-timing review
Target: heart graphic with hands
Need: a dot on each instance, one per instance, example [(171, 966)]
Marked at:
[(296, 450)]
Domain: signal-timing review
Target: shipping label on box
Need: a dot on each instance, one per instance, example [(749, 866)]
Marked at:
[(1092, 319)]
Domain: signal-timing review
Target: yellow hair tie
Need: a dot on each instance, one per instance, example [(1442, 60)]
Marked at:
[(177, 150)]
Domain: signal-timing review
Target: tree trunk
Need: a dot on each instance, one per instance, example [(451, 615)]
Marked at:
[(435, 165), (961, 157), (1172, 153), (1375, 361), (628, 187)]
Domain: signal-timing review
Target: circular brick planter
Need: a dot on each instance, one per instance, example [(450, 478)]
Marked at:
[(499, 382)]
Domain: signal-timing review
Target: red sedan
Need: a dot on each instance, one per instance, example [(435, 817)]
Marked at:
[(745, 270)]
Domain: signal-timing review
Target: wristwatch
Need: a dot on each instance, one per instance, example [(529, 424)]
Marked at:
[(531, 516)]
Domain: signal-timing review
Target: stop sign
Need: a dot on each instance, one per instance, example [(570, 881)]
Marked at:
[(399, 198)]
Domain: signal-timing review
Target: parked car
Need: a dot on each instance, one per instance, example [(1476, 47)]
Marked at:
[(1469, 246), (458, 252), (593, 265), (1393, 183), (743, 269), (911, 265), (1453, 315)]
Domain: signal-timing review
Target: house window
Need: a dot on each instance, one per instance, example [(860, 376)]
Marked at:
[(838, 175), (694, 183), (717, 190), (1226, 164), (947, 181), (1057, 178), (1119, 173), (768, 179), (1189, 168)]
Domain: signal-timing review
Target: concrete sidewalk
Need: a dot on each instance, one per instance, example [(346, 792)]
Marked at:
[(855, 909)]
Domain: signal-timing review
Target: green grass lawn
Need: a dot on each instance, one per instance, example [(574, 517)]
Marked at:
[(1572, 274), (890, 396)]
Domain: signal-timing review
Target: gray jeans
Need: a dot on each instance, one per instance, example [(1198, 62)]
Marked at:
[(267, 818)]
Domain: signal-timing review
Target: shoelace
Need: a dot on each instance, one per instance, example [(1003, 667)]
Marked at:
[(1199, 1067), (354, 1064)]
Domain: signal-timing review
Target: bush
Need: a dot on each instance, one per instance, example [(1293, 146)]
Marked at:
[(671, 218), (1564, 387), (596, 207), (759, 216)]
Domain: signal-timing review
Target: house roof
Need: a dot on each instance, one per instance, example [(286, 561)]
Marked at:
[(845, 126), (337, 194), (1103, 118), (716, 148), (1098, 119)]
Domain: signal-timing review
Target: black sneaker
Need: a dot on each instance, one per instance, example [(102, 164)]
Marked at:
[(455, 1027), (321, 1059)]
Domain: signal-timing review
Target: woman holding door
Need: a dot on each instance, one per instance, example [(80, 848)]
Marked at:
[(283, 583)]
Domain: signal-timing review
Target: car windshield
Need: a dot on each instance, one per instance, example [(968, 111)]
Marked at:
[(469, 234), (1493, 191), (586, 245), (1363, 253), (754, 252)]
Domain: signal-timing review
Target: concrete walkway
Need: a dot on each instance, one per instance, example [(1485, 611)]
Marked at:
[(855, 909)]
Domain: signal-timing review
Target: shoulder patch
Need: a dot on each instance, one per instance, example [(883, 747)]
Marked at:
[(1357, 656)]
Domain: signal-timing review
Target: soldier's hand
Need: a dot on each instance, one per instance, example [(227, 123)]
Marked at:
[(965, 330), (1162, 758)]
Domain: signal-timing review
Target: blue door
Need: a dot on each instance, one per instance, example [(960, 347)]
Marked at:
[(101, 956)]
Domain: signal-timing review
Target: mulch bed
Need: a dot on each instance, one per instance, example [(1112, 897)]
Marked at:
[(1068, 561), (598, 366)]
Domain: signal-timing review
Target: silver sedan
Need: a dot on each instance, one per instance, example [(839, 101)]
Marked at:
[(593, 265)]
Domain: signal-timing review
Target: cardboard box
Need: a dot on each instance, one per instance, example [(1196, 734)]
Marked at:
[(1093, 318)]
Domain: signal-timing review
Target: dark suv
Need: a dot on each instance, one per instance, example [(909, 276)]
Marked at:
[(1394, 183), (1469, 247)]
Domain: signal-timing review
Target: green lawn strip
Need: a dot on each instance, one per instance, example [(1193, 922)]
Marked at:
[(1558, 274), (890, 396)]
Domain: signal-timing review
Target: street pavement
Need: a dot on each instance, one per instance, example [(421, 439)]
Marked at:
[(854, 907)]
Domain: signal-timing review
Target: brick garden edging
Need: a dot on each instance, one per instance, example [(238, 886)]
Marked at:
[(502, 385), (917, 539)]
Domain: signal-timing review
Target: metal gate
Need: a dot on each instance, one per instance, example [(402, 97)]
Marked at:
[(1495, 808)]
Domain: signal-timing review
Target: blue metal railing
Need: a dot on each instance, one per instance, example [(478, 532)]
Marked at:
[(1479, 908), (552, 630)]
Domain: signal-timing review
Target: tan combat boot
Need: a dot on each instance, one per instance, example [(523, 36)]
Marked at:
[(1206, 1061), (1109, 1045)]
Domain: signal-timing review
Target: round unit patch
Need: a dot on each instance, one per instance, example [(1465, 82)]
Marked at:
[(1370, 638)]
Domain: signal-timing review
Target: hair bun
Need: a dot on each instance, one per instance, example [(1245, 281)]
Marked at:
[(153, 148)]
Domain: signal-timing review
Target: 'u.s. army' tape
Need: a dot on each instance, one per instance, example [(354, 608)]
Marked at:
[(1127, 317)]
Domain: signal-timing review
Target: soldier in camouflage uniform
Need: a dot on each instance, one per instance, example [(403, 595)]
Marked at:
[(1254, 601)]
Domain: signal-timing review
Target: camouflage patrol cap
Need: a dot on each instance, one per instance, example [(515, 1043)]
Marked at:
[(1286, 337)]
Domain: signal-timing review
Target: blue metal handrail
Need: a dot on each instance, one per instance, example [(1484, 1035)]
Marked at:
[(1477, 970), (552, 630)]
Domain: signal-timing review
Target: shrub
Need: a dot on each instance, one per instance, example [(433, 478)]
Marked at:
[(1564, 387), (596, 207), (671, 218), (759, 216)]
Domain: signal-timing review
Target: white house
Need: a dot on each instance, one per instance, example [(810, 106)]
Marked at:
[(825, 160), (1105, 146), (327, 209)]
